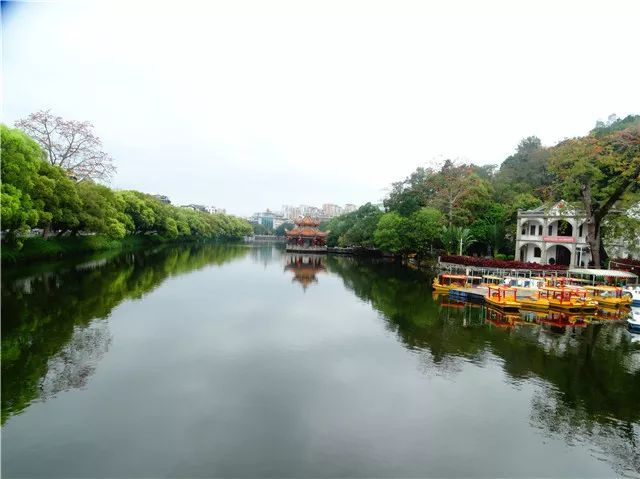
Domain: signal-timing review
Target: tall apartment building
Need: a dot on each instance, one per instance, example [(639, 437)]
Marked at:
[(349, 208), (331, 210)]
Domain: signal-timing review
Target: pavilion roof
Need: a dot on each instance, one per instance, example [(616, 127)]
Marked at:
[(307, 232), (307, 221)]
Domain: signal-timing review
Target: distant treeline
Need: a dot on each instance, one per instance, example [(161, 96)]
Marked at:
[(37, 194), (464, 208)]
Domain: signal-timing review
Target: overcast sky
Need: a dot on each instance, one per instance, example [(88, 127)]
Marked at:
[(246, 105)]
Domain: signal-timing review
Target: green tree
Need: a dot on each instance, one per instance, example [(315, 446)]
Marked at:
[(360, 233), (424, 228), (526, 171), (21, 159), (600, 170), (101, 210), (58, 198), (391, 233), (456, 239), (260, 229), (280, 230)]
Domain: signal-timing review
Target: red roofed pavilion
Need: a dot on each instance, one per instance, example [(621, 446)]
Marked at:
[(307, 237)]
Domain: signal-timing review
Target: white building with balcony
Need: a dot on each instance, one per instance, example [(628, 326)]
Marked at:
[(555, 235)]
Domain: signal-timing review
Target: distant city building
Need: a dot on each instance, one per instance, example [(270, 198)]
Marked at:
[(279, 220), (328, 211), (331, 210), (263, 218), (163, 199), (349, 208)]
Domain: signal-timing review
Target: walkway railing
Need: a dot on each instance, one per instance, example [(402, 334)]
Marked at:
[(306, 248)]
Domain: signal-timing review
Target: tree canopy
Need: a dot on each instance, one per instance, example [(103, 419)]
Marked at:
[(37, 194)]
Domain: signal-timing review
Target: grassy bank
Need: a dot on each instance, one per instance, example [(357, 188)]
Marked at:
[(34, 249)]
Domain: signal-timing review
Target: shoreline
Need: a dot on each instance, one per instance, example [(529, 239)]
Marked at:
[(36, 249)]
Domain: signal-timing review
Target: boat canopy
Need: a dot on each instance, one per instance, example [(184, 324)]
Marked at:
[(454, 276), (488, 276), (612, 273)]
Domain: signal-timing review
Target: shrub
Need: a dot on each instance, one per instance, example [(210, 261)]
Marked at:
[(498, 263)]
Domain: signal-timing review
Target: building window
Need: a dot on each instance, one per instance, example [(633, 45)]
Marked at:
[(550, 230), (539, 230), (524, 229), (580, 230), (537, 252), (533, 230)]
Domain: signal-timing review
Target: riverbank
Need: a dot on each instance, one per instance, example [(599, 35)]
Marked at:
[(38, 248)]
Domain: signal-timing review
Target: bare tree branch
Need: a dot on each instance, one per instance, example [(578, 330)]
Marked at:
[(70, 144)]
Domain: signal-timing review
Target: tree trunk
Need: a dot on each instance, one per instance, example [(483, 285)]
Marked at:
[(593, 240), (45, 231), (593, 225)]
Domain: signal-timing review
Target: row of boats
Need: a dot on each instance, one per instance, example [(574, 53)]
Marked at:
[(552, 293), (541, 293)]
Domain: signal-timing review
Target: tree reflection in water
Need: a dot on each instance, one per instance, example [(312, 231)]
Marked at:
[(52, 336), (586, 374), (588, 366)]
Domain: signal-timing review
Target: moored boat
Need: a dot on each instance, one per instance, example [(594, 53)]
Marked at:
[(503, 297), (444, 282), (534, 302), (568, 299), (610, 296), (632, 292), (633, 323)]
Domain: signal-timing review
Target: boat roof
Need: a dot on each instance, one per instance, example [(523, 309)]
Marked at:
[(614, 273), (553, 288), (454, 276), (603, 288), (488, 276)]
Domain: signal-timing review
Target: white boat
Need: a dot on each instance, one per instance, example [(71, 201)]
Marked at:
[(634, 292), (634, 320)]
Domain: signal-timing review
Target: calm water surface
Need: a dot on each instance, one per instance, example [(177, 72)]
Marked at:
[(235, 361)]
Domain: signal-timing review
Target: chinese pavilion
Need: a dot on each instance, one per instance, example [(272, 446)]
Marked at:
[(306, 237)]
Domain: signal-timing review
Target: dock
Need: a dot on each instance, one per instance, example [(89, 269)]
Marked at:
[(477, 294)]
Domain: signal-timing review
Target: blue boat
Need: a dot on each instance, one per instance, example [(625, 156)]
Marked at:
[(633, 323)]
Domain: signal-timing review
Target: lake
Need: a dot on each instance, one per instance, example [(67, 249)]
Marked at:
[(214, 360)]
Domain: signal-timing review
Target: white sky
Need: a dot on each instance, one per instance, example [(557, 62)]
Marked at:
[(247, 105)]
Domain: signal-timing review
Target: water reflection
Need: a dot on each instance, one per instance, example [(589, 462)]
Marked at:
[(588, 364), (585, 370), (52, 338), (304, 268)]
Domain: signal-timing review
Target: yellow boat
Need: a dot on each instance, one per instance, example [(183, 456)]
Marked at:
[(535, 302), (490, 280), (503, 297), (609, 296), (444, 282), (568, 299)]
